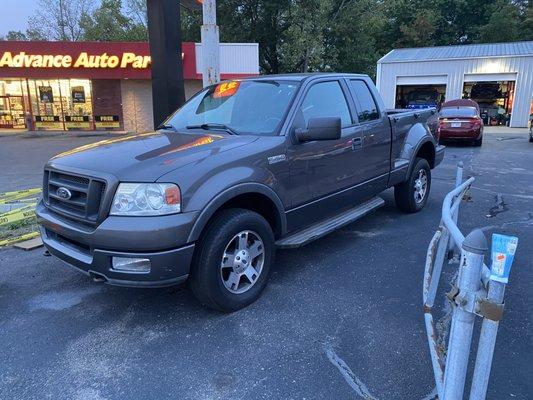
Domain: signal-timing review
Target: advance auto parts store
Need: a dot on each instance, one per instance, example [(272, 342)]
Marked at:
[(95, 85)]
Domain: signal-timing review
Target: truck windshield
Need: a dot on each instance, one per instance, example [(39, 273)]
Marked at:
[(249, 106)]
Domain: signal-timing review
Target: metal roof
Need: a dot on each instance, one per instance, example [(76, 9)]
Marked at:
[(485, 50)]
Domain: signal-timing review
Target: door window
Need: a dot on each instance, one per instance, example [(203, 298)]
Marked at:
[(324, 99), (366, 106)]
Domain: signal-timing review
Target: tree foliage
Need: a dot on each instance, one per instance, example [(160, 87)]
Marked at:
[(302, 35), (109, 23)]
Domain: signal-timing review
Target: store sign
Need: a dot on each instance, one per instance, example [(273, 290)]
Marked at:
[(106, 121), (47, 118), (77, 122), (45, 94), (83, 60), (78, 94), (48, 121)]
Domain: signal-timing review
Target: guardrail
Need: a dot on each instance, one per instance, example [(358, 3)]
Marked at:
[(478, 291)]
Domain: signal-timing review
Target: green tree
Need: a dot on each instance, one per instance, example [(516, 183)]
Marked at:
[(354, 31), (59, 19), (303, 46), (16, 36), (503, 25), (108, 23)]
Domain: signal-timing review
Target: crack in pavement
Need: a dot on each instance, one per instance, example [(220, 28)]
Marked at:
[(499, 207), (355, 383)]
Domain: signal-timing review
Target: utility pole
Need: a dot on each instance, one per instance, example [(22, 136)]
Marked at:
[(210, 44), (164, 31), (62, 20)]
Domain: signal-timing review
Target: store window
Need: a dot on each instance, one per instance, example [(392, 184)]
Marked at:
[(45, 99), (77, 103), (59, 104), (12, 105)]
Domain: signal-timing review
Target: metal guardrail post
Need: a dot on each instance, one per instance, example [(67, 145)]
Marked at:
[(503, 251), (469, 283), (487, 341), (455, 215)]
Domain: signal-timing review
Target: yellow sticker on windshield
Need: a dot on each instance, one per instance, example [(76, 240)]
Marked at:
[(226, 89)]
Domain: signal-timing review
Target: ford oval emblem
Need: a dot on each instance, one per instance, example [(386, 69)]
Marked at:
[(63, 193)]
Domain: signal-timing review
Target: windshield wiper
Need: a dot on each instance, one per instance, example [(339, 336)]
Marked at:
[(166, 126), (208, 126)]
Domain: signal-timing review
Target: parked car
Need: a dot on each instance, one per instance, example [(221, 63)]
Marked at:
[(461, 124), (461, 103), (243, 168), (420, 99)]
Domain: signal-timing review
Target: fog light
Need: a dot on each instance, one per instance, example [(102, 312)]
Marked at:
[(131, 264)]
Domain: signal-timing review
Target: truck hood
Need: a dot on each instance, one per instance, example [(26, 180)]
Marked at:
[(146, 157)]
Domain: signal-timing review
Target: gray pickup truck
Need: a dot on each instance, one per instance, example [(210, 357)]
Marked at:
[(243, 168)]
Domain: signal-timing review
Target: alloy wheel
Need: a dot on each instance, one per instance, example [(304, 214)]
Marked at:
[(242, 262), (420, 186)]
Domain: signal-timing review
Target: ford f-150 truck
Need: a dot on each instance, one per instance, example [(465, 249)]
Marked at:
[(243, 168)]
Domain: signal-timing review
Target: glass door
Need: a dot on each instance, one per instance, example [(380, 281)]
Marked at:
[(45, 96), (76, 100), (18, 113), (5, 113)]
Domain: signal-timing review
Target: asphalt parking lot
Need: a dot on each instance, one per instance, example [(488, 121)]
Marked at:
[(340, 319)]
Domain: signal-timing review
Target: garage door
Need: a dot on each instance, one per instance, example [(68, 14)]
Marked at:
[(490, 77), (422, 80)]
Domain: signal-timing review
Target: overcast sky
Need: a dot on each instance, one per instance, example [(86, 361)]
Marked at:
[(15, 14)]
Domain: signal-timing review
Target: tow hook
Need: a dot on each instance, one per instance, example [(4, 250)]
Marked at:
[(97, 277)]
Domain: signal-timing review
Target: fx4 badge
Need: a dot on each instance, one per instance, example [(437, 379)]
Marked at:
[(277, 159)]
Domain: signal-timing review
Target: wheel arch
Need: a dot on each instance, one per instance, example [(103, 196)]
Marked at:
[(251, 196), (426, 150)]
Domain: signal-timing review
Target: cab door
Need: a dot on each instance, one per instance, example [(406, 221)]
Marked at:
[(376, 136), (320, 171)]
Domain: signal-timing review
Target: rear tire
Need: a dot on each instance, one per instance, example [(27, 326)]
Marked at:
[(411, 196), (478, 142), (217, 279)]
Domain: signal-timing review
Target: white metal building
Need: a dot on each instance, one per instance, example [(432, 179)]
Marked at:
[(498, 76)]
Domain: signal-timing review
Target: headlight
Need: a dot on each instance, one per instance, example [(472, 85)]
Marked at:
[(146, 199)]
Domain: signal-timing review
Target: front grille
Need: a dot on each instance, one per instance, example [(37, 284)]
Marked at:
[(86, 195)]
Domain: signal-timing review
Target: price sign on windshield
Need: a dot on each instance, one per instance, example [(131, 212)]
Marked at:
[(226, 89)]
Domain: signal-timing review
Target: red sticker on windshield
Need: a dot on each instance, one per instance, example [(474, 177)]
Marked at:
[(226, 89)]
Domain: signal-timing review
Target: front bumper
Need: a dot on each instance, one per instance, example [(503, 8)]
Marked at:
[(162, 240)]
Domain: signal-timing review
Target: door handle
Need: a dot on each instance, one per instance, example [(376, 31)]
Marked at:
[(357, 143)]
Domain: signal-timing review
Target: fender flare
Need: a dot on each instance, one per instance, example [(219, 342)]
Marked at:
[(230, 193), (417, 137)]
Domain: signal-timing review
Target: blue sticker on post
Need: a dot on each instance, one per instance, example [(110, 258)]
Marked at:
[(503, 251)]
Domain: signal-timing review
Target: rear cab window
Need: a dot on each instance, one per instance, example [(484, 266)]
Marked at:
[(367, 109)]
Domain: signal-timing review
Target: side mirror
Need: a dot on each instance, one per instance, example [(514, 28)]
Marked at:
[(325, 128)]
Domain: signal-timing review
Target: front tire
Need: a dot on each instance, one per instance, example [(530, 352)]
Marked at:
[(411, 196), (233, 260)]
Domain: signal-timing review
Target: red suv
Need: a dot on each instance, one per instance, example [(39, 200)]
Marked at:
[(460, 123)]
